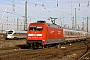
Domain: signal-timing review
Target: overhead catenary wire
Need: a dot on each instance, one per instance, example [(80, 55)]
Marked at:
[(39, 5), (19, 8), (35, 4), (35, 12)]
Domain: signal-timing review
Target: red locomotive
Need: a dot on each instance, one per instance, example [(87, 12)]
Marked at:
[(43, 34)]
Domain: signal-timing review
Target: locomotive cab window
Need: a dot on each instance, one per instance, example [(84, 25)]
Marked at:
[(10, 32), (32, 27), (36, 28), (39, 28)]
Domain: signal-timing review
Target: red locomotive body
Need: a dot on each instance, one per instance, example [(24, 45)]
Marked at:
[(42, 34)]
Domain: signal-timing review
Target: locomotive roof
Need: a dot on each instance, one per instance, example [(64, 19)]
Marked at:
[(49, 24)]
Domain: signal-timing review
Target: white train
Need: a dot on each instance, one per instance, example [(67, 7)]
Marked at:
[(16, 34)]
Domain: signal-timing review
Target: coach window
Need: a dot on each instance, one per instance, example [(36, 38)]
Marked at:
[(68, 33), (71, 33), (65, 33), (75, 33), (81, 34), (78, 34)]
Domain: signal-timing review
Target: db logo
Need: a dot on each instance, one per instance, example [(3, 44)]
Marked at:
[(34, 34)]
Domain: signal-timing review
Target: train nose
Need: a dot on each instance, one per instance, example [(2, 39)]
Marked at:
[(8, 36), (34, 37)]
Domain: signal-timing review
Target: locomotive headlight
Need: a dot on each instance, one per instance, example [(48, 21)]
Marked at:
[(43, 40)]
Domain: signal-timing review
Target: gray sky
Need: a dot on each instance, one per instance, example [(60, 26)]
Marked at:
[(64, 10)]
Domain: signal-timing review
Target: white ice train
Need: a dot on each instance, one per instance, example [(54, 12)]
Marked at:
[(16, 34)]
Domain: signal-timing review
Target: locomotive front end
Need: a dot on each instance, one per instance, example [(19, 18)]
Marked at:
[(36, 35)]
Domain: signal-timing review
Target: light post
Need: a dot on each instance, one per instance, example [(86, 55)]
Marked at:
[(7, 22), (87, 25), (75, 20), (25, 22)]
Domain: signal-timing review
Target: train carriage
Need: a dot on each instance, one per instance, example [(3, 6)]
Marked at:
[(74, 35)]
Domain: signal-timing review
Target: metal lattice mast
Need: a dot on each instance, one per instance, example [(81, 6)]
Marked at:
[(87, 25), (75, 20), (25, 22)]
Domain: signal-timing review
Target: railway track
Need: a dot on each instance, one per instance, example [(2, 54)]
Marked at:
[(11, 43), (9, 48), (70, 52), (86, 55)]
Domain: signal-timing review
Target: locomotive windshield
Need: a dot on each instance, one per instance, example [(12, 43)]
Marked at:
[(10, 32), (36, 28)]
